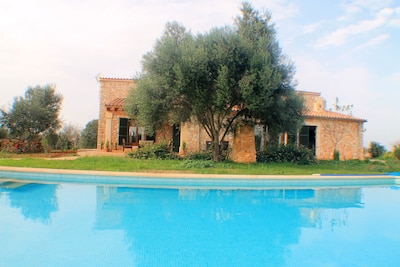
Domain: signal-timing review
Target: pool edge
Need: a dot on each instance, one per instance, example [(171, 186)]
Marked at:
[(191, 175)]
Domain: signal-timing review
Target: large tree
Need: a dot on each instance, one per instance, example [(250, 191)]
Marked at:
[(34, 113), (89, 135), (223, 78)]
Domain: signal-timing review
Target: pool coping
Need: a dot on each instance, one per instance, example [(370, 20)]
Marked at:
[(191, 181), (193, 175)]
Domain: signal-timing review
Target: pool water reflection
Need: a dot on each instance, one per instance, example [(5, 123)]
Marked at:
[(88, 225)]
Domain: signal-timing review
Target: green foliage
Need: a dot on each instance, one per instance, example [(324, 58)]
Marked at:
[(50, 141), (376, 149), (20, 146), (336, 155), (289, 153), (153, 151), (396, 152), (68, 137), (34, 113), (203, 155), (198, 164), (89, 135), (3, 133), (221, 78)]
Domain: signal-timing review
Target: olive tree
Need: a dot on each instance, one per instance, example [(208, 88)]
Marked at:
[(221, 79), (34, 113)]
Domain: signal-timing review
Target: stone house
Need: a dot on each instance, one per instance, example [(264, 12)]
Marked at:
[(326, 131), (323, 131)]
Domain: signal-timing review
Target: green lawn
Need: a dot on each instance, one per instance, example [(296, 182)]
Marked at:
[(125, 164)]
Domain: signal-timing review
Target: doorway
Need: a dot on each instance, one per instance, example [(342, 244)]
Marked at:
[(307, 137), (176, 137)]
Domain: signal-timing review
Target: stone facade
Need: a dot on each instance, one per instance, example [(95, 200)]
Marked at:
[(194, 138), (334, 131), (110, 90), (244, 145), (327, 131)]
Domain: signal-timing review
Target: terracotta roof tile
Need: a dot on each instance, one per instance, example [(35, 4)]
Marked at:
[(331, 115), (118, 102), (115, 79)]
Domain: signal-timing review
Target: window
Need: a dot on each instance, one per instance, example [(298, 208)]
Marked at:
[(130, 133), (123, 131), (308, 136)]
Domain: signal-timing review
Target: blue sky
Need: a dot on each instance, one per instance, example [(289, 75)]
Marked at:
[(345, 49)]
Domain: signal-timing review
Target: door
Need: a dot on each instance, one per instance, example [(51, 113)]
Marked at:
[(308, 137)]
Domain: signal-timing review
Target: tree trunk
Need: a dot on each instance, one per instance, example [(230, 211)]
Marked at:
[(216, 150)]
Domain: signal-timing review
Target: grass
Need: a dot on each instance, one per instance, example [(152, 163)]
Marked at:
[(125, 164)]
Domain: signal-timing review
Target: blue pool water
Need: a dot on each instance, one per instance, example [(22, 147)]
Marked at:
[(66, 224)]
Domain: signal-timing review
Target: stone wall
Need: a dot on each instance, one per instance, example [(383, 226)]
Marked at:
[(241, 145), (244, 145), (343, 135), (312, 100), (194, 136), (164, 134), (335, 131), (110, 89)]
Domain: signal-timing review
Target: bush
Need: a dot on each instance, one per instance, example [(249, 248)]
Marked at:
[(396, 151), (289, 153), (20, 146), (3, 133), (203, 155), (198, 164), (336, 155), (376, 150), (153, 151)]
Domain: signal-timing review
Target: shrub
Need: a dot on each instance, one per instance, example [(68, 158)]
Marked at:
[(153, 151), (203, 155), (336, 155), (20, 146), (376, 149), (3, 133), (396, 151), (288, 153), (198, 164)]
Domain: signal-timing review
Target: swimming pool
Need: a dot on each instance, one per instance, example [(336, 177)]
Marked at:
[(64, 223)]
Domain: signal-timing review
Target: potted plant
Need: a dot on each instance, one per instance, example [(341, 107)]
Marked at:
[(108, 146)]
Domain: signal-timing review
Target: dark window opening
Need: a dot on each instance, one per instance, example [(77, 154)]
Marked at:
[(132, 134), (176, 137), (123, 131), (307, 137)]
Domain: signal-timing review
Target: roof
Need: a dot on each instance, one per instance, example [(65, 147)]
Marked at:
[(325, 114), (115, 79), (308, 93), (117, 102), (330, 115)]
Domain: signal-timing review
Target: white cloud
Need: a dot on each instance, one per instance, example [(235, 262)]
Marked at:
[(280, 9), (310, 28), (374, 41), (359, 5), (341, 36)]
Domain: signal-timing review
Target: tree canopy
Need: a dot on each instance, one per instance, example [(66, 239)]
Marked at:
[(89, 135), (221, 79), (34, 113)]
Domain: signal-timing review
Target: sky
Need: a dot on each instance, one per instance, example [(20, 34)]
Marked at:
[(341, 48)]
